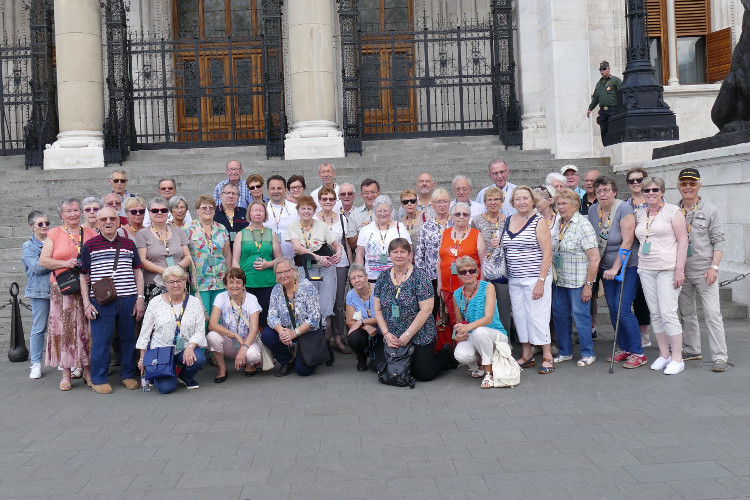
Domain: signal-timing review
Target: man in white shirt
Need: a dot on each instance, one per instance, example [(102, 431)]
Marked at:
[(167, 188), (327, 174), (118, 179), (425, 187), (281, 213), (499, 172), (462, 189)]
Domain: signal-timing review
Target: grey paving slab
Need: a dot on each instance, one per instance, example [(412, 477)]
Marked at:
[(676, 472)]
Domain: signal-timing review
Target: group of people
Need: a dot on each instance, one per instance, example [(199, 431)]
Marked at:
[(263, 263)]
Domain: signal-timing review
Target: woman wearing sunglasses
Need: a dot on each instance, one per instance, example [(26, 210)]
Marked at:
[(37, 288), (91, 208), (412, 219), (662, 233), (634, 179), (135, 211), (160, 246), (255, 186)]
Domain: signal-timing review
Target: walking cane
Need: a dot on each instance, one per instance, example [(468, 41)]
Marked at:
[(624, 256)]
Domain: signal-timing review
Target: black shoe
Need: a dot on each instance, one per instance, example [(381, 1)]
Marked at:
[(219, 380), (451, 359), (331, 358), (361, 364), (284, 370)]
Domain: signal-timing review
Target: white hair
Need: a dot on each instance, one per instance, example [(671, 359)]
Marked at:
[(459, 177), (554, 176)]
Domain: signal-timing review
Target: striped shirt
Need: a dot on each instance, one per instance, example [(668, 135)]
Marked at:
[(98, 257), (523, 253)]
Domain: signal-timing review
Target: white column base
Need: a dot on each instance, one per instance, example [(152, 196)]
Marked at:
[(314, 140), (75, 149), (626, 155)]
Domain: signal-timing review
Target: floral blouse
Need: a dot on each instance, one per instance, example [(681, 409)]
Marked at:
[(306, 306), (416, 288), (427, 247), (159, 324), (210, 265)]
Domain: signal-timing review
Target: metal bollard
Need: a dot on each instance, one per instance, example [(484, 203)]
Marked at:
[(18, 351)]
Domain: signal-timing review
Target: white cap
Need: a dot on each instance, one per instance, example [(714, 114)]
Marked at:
[(565, 168)]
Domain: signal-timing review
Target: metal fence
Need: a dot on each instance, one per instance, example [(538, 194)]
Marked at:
[(15, 95)]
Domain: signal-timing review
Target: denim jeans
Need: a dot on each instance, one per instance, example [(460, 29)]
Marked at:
[(118, 312), (165, 385), (567, 305), (280, 351), (628, 333), (40, 314)]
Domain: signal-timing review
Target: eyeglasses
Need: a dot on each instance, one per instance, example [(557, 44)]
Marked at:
[(328, 199), (230, 193), (635, 180), (346, 194), (42, 224), (687, 183), (257, 186), (297, 187), (652, 190), (137, 211), (281, 273), (440, 202), (501, 172), (159, 210), (113, 204), (464, 272), (167, 189), (119, 181), (206, 208), (234, 170), (457, 214), (492, 200), (109, 219), (174, 282), (91, 209), (412, 201), (603, 190)]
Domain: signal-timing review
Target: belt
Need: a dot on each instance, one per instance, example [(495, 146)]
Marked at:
[(605, 108)]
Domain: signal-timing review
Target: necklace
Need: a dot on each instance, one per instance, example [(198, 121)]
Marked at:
[(329, 224)]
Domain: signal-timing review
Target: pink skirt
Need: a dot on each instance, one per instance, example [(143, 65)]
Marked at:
[(68, 331)]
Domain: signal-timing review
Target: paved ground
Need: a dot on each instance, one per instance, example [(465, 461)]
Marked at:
[(578, 433)]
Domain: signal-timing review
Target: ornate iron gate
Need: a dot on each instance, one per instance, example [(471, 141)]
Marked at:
[(117, 124), (434, 80), (15, 95)]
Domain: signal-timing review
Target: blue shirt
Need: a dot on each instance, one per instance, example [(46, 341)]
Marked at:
[(37, 281), (474, 310)]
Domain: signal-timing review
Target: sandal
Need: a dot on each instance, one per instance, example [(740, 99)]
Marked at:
[(478, 372), (544, 370), (526, 363), (587, 361), (65, 385), (488, 383)]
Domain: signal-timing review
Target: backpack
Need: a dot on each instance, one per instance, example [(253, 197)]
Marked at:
[(505, 369), (396, 369)]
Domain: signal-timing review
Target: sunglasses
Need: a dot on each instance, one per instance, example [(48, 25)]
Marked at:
[(409, 201), (109, 219), (346, 194), (635, 180), (328, 200), (464, 272), (159, 210), (42, 224), (119, 181), (542, 188), (652, 190), (457, 214), (257, 186), (688, 183), (91, 209), (137, 211), (206, 208)]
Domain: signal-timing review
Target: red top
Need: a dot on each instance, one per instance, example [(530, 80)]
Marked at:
[(451, 250)]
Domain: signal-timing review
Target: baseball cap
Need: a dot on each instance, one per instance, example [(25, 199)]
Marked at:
[(565, 168), (689, 173), (603, 65)]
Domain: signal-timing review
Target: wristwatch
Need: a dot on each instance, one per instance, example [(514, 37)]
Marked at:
[(296, 332), (141, 297), (716, 268), (589, 283)]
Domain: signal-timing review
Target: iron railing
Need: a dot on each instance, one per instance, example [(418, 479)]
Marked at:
[(15, 94)]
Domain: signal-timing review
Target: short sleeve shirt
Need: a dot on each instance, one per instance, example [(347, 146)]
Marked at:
[(416, 288), (375, 243), (208, 256), (230, 319), (157, 251)]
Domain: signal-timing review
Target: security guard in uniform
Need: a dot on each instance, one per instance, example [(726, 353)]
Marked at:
[(604, 95)]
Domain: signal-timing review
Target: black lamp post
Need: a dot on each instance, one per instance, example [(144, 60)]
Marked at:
[(641, 113)]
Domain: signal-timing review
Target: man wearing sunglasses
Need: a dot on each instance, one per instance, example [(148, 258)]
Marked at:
[(110, 255), (605, 96), (327, 174), (705, 250), (234, 177), (114, 200), (119, 181), (166, 189)]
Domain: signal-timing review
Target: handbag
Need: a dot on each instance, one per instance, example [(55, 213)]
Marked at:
[(495, 267), (104, 289), (505, 369), (396, 369), (266, 358), (443, 328), (312, 345), (68, 280), (159, 361)]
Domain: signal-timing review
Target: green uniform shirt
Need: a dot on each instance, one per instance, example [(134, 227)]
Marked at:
[(604, 93)]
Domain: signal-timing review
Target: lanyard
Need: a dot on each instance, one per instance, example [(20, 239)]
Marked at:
[(649, 224), (76, 242), (561, 233), (306, 235), (230, 219), (209, 241), (487, 218), (323, 219), (466, 300), (413, 223), (258, 245), (238, 314), (609, 219), (398, 285), (178, 318), (383, 234), (369, 302), (164, 242), (290, 304), (457, 243), (281, 213), (684, 212)]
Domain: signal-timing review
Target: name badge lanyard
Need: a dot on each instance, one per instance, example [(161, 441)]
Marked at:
[(456, 247), (370, 302), (604, 227), (383, 235), (77, 242), (290, 305), (230, 219), (178, 321), (560, 236), (239, 315), (395, 308), (165, 242), (208, 237), (277, 220), (258, 244), (646, 247), (690, 226)]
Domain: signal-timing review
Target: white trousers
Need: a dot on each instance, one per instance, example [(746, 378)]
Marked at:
[(531, 317), (661, 297), (479, 346), (219, 343)]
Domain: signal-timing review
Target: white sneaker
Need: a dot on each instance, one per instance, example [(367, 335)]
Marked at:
[(561, 358), (673, 368), (660, 363), (36, 370)]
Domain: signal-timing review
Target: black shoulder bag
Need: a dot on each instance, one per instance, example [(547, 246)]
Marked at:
[(311, 345), (68, 279)]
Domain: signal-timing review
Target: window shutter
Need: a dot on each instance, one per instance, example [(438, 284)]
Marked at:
[(718, 54), (656, 13), (692, 17)]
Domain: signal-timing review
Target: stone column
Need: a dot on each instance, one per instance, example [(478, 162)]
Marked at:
[(672, 44), (531, 86), (314, 132), (80, 86)]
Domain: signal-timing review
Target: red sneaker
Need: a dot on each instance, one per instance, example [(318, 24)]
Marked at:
[(635, 360), (619, 356)]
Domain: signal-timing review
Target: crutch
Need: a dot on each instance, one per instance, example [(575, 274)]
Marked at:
[(624, 256)]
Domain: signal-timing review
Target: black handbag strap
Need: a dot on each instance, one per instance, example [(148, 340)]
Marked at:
[(289, 308)]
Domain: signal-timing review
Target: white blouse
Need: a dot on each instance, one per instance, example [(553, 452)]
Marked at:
[(159, 324)]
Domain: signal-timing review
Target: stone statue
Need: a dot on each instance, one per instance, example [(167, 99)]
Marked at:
[(731, 111)]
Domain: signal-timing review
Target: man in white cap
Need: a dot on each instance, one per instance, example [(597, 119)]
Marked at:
[(570, 172)]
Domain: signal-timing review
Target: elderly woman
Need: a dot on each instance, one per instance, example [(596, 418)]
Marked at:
[(457, 241), (256, 251), (529, 258), (228, 214), (68, 333), (309, 238), (576, 261), (614, 224), (296, 296), (234, 327), (545, 204), (634, 178), (37, 288), (428, 244), (296, 187), (339, 226), (175, 318), (363, 333), (255, 186), (662, 233), (412, 219), (556, 180), (178, 209), (479, 325), (210, 250), (135, 211), (403, 309), (91, 207), (373, 239), (160, 246)]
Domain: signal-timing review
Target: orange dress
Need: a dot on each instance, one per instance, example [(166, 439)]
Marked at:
[(451, 250)]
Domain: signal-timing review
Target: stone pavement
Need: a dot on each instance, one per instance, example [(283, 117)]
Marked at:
[(578, 433)]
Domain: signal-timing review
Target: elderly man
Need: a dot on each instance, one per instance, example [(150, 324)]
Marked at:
[(589, 198), (462, 189), (361, 216), (114, 200), (499, 173), (118, 179), (110, 256), (425, 187), (570, 172), (166, 188), (327, 175), (705, 250), (281, 213), (234, 177)]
